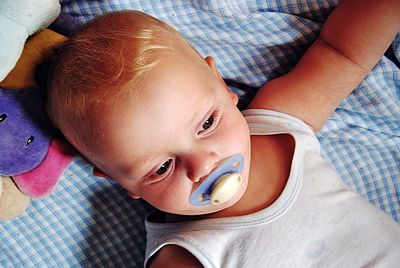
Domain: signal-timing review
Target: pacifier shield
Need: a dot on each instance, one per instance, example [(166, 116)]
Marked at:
[(221, 185)]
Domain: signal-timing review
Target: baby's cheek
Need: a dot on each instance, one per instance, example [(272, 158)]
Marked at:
[(169, 195), (237, 132)]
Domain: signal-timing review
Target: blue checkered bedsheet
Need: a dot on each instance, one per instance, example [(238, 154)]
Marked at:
[(91, 222)]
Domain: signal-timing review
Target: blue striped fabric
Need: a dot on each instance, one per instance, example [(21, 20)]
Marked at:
[(87, 222), (91, 222)]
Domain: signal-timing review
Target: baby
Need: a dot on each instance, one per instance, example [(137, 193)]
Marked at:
[(235, 189)]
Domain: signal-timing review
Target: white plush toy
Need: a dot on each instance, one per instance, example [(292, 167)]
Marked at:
[(18, 20)]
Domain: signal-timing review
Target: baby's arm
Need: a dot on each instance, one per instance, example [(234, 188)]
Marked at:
[(353, 39)]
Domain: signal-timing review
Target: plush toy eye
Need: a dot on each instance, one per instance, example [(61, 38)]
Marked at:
[(30, 140), (3, 117)]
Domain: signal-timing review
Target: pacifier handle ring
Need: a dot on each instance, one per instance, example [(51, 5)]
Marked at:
[(201, 196)]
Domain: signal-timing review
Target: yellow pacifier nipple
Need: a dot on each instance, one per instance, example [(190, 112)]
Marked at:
[(225, 188)]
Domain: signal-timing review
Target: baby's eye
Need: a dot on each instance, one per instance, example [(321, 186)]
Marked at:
[(164, 167), (208, 123), (162, 172)]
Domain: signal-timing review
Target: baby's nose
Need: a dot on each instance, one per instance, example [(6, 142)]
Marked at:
[(201, 165)]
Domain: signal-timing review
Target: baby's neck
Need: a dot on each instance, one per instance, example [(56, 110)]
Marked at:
[(271, 158)]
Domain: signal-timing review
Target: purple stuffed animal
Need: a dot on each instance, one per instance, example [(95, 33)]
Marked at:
[(25, 131), (29, 153)]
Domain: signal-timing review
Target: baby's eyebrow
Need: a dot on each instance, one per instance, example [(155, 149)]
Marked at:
[(203, 104), (201, 110)]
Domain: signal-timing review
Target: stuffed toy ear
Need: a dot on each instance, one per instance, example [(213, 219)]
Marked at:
[(12, 201), (18, 20)]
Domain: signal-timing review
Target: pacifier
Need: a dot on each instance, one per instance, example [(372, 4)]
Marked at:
[(221, 185)]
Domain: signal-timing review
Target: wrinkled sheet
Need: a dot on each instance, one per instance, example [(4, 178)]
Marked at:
[(89, 221)]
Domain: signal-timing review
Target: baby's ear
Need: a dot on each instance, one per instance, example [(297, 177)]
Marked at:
[(134, 196), (211, 63), (98, 173)]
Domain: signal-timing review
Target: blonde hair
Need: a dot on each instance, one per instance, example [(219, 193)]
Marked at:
[(94, 65)]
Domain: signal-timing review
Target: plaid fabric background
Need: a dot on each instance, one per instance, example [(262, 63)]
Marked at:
[(91, 222)]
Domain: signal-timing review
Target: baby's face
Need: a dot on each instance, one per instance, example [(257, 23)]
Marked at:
[(162, 140)]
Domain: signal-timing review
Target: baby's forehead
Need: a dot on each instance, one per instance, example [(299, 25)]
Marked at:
[(164, 102)]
